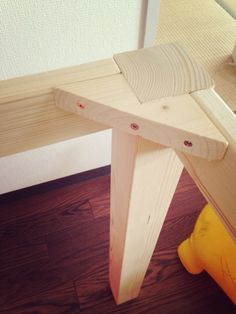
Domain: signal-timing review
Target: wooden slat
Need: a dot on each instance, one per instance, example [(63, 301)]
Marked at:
[(168, 121), (217, 180), (28, 115), (162, 71)]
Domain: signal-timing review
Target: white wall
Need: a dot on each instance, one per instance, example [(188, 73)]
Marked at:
[(41, 35), (55, 161)]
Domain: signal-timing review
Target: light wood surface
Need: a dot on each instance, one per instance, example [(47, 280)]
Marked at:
[(41, 84), (32, 123), (29, 119), (144, 178), (168, 121), (162, 71), (28, 115), (217, 179)]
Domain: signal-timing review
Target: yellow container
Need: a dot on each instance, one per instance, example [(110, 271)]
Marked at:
[(211, 248)]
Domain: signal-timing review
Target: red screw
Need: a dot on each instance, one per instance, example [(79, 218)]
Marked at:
[(134, 126), (188, 143), (81, 106)]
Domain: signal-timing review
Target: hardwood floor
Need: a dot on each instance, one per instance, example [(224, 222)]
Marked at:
[(54, 253)]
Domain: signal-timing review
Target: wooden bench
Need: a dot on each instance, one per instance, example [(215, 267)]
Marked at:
[(164, 114)]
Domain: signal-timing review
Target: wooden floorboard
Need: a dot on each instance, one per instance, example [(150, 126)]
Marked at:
[(54, 253)]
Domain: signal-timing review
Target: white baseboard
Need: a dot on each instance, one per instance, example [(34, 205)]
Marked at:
[(55, 161)]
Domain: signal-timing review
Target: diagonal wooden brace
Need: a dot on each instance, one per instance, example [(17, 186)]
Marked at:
[(160, 106), (150, 98)]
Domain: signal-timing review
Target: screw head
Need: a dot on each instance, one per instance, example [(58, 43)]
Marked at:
[(134, 126), (188, 143), (81, 106)]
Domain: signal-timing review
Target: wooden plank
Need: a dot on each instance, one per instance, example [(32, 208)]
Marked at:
[(37, 122), (137, 214), (217, 179), (40, 84), (28, 115), (162, 71), (168, 121)]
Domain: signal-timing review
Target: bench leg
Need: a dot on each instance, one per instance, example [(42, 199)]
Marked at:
[(143, 181)]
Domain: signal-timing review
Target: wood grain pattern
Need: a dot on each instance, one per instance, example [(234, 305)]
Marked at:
[(41, 84), (168, 121), (137, 214), (217, 180), (28, 115), (162, 71), (72, 276), (34, 123)]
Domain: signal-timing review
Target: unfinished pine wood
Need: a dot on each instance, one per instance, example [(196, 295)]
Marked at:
[(217, 179), (33, 123), (143, 181), (168, 121), (28, 115), (40, 84), (162, 71)]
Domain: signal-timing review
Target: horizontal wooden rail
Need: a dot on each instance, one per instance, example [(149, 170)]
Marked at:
[(28, 115)]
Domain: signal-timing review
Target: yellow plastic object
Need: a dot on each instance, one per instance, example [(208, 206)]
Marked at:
[(211, 248)]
